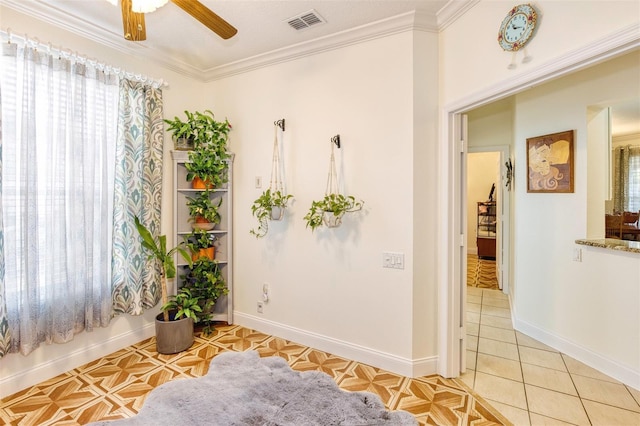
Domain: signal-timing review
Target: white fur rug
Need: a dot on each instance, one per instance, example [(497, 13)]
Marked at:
[(243, 389)]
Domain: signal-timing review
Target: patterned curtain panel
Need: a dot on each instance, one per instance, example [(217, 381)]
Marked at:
[(138, 193), (58, 133), (626, 179)]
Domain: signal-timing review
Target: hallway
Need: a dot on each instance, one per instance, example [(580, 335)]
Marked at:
[(531, 383)]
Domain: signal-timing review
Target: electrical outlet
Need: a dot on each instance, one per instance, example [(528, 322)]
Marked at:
[(258, 182), (393, 260), (260, 306), (577, 254)]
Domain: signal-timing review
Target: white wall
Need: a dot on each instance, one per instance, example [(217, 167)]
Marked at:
[(578, 305), (472, 60), (328, 288), (18, 371)]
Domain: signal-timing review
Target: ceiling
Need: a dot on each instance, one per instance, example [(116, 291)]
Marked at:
[(625, 117), (178, 41)]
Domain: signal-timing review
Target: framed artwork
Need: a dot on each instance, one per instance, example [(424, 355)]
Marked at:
[(550, 163)]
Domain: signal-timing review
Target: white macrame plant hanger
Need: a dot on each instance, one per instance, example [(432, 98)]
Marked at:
[(276, 182), (333, 186)]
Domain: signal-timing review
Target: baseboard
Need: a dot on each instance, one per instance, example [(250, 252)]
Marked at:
[(472, 250), (65, 361), (607, 366), (395, 364)]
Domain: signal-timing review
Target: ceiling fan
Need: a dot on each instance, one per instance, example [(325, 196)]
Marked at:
[(134, 27)]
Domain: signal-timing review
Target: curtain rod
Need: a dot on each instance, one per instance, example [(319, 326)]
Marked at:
[(10, 37)]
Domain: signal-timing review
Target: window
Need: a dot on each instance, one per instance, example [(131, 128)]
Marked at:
[(59, 131)]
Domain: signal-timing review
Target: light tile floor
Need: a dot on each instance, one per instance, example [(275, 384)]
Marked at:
[(531, 383)]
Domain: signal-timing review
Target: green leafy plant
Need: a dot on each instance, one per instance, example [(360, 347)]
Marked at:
[(199, 239), (198, 127), (158, 250), (208, 163), (205, 281), (203, 206), (335, 205), (208, 159), (184, 304), (263, 207)]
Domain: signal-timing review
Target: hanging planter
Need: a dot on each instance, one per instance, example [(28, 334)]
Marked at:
[(330, 210), (272, 202)]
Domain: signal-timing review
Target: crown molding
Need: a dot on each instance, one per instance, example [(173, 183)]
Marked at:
[(410, 21), (453, 10), (383, 28), (629, 137)]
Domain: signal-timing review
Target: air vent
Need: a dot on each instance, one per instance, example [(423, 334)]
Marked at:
[(305, 20)]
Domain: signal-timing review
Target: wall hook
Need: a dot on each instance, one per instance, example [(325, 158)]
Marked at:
[(336, 140), (280, 123)]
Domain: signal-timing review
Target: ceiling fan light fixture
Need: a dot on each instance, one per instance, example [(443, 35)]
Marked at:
[(147, 6)]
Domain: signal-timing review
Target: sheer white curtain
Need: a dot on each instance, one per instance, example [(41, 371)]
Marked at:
[(633, 203), (59, 123)]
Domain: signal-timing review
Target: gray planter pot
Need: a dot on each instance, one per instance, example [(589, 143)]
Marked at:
[(331, 220), (277, 213), (173, 336)]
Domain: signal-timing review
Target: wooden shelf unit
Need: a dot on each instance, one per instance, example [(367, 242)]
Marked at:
[(223, 310)]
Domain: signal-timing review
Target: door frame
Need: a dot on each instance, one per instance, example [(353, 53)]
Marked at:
[(450, 297)]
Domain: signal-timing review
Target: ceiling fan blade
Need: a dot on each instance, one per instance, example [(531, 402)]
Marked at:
[(207, 17), (132, 23)]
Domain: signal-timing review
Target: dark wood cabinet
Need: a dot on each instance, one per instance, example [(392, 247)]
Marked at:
[(486, 229)]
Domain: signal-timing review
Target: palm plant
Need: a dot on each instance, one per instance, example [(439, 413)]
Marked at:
[(158, 250)]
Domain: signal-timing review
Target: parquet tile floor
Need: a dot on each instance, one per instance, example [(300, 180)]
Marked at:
[(481, 273), (116, 386)]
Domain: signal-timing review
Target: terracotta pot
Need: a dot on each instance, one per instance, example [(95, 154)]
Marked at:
[(173, 336), (209, 252), (198, 183)]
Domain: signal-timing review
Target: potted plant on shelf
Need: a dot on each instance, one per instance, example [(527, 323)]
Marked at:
[(205, 281), (207, 166), (173, 333), (269, 206), (204, 211), (201, 244), (330, 210)]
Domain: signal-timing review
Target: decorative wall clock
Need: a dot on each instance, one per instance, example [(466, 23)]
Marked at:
[(517, 27)]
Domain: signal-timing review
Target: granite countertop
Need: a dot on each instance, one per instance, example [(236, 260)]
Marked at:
[(613, 244)]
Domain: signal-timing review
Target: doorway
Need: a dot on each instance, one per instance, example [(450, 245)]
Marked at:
[(487, 183), (450, 278)]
